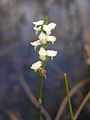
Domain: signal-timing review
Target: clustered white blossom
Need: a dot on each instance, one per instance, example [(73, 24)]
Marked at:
[(45, 37)]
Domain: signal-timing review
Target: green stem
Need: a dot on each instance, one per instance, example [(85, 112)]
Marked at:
[(40, 98), (69, 102)]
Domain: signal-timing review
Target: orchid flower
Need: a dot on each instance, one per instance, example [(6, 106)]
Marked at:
[(44, 38), (36, 65), (46, 53), (36, 43), (49, 27), (37, 29), (38, 23)]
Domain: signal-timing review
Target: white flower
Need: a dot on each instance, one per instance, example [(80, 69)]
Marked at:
[(38, 23), (51, 39), (44, 38), (51, 53), (52, 25), (49, 27), (46, 53), (36, 43), (42, 52), (37, 29), (36, 65)]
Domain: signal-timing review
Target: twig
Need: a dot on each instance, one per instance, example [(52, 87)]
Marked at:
[(31, 97), (11, 16), (12, 116), (72, 92), (82, 105)]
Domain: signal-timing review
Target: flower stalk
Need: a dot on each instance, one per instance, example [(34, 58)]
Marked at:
[(40, 97), (69, 101), (44, 29)]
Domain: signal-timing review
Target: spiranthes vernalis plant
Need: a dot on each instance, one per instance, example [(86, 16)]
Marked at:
[(43, 30)]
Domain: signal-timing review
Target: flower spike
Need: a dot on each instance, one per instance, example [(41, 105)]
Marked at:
[(45, 37)]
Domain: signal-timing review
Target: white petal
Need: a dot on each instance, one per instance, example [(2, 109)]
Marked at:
[(43, 58), (43, 42), (47, 29), (52, 26), (51, 39), (36, 43), (37, 28), (51, 53), (40, 22), (42, 51), (42, 38), (36, 65)]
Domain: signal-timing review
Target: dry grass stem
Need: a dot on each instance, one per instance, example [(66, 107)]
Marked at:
[(12, 116), (82, 105)]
